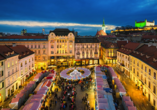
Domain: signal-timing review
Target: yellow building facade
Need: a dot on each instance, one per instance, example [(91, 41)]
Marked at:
[(143, 71)]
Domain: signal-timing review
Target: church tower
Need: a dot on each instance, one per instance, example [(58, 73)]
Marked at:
[(103, 26)]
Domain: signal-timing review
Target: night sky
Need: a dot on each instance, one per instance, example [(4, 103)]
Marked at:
[(84, 16)]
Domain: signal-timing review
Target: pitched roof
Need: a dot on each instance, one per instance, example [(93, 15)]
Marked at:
[(147, 54), (21, 50), (121, 43), (149, 37), (101, 32), (6, 52), (107, 44), (61, 31), (128, 48), (86, 40)]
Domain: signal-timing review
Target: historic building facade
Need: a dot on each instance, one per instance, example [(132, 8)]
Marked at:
[(143, 71), (11, 55), (123, 60), (86, 51), (61, 44)]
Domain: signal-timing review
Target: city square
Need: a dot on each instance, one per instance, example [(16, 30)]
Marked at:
[(78, 55)]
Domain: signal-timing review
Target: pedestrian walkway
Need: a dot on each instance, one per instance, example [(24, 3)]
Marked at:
[(136, 95)]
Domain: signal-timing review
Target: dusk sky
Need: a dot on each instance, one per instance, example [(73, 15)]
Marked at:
[(85, 16)]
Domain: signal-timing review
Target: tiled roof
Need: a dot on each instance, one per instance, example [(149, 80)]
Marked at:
[(121, 43), (101, 32), (6, 52), (107, 36), (86, 40), (61, 31), (21, 50), (149, 37), (107, 44), (23, 37), (128, 48), (147, 54)]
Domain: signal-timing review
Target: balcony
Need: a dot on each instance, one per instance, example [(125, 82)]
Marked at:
[(77, 53)]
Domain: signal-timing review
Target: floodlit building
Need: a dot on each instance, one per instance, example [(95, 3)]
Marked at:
[(123, 60), (86, 51), (142, 24), (10, 79), (61, 47), (108, 51), (143, 71)]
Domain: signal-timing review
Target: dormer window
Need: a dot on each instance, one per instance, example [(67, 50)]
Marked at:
[(134, 51), (154, 59), (147, 56), (142, 54), (12, 52), (137, 52)]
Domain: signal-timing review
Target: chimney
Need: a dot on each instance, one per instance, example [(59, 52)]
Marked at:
[(13, 44)]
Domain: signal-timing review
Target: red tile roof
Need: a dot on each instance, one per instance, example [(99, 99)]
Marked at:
[(121, 43), (149, 37), (128, 48), (146, 50), (21, 50), (107, 44), (23, 37), (4, 49), (101, 32)]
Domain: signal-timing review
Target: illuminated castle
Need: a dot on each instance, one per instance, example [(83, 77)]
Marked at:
[(142, 24)]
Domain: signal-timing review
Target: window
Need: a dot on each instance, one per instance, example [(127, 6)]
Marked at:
[(38, 51), (53, 47), (21, 72), (70, 46), (149, 85), (145, 81), (57, 46), (43, 51), (8, 65), (8, 73), (43, 58), (16, 62), (154, 102), (145, 69), (21, 65), (137, 63), (8, 82), (1, 64), (35, 58), (16, 69), (35, 46), (1, 85), (60, 46), (134, 70), (38, 58), (12, 71), (38, 46), (32, 59), (149, 72), (31, 46), (25, 62), (57, 51), (43, 46), (137, 73), (154, 75), (52, 52), (141, 66), (1, 73), (154, 90), (32, 65), (70, 51)]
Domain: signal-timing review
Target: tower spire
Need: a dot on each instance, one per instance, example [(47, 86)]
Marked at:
[(103, 22), (103, 26)]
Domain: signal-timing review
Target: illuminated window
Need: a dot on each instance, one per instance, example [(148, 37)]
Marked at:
[(70, 51), (38, 51), (16, 62), (70, 46), (43, 51), (149, 72), (52, 46), (52, 52), (43, 46), (25, 62), (12, 71), (149, 85), (154, 75), (1, 64), (145, 69), (38, 46), (8, 65), (154, 90), (141, 66), (21, 65), (12, 63)]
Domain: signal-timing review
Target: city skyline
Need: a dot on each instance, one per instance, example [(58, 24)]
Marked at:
[(86, 17)]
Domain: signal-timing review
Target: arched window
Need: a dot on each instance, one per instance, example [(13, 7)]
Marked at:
[(21, 65)]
